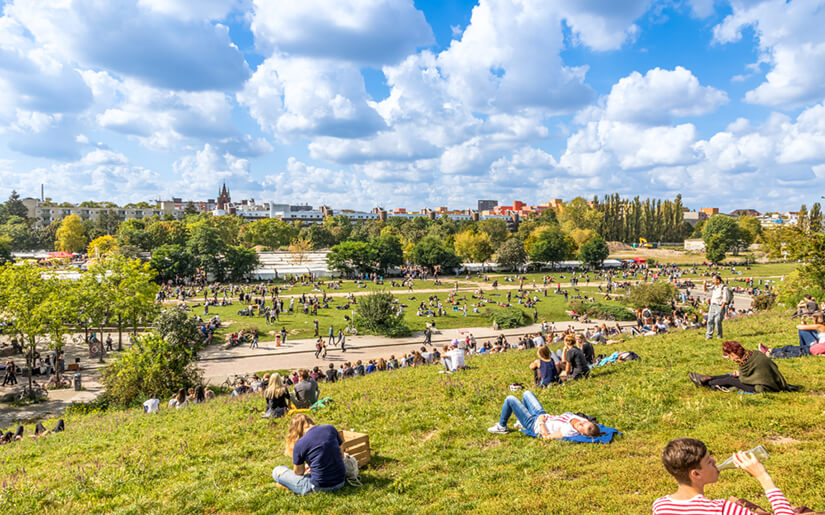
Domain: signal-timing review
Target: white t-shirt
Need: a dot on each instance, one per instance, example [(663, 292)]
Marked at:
[(151, 406), (555, 423), (538, 341), (456, 358)]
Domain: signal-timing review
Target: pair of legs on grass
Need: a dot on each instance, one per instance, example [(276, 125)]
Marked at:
[(526, 410), (300, 485)]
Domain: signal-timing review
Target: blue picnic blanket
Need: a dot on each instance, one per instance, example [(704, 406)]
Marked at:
[(606, 437)]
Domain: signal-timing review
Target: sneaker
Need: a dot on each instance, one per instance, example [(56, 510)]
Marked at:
[(518, 425), (763, 349), (498, 428)]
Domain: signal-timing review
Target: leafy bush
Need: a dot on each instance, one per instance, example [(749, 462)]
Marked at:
[(603, 311), (377, 313), (796, 285), (508, 318), (763, 302), (648, 294), (152, 366)]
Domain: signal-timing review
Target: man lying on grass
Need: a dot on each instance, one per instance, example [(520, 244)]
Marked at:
[(531, 416), (690, 463)]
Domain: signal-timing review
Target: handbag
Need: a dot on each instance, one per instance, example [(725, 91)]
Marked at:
[(351, 466)]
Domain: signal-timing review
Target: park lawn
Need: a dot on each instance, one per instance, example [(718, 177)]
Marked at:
[(348, 285), (774, 270), (431, 451), (300, 326)]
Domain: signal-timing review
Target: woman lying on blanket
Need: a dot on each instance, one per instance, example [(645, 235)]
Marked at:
[(532, 417)]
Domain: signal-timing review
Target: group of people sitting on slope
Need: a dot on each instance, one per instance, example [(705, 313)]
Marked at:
[(279, 399)]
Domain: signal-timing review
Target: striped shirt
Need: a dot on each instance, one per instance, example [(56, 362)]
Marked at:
[(701, 505)]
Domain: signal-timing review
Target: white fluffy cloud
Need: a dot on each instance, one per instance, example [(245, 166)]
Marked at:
[(100, 174), (792, 43), (135, 41), (200, 175), (298, 96), (659, 96), (371, 32)]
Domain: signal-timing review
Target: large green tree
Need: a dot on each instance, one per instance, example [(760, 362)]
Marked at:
[(511, 253), (352, 257), (725, 233), (28, 299), (594, 252), (551, 246), (207, 247), (433, 254)]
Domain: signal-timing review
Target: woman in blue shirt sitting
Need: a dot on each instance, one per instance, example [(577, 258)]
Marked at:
[(317, 458)]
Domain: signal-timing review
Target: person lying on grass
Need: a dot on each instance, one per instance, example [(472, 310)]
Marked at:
[(811, 341), (690, 463), (531, 416), (317, 458), (756, 373)]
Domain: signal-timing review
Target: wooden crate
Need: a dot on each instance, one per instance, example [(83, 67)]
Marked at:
[(357, 445)]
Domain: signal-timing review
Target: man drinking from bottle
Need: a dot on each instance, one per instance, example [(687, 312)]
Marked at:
[(688, 461)]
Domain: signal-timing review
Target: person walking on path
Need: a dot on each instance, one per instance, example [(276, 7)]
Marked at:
[(10, 377), (720, 297), (315, 323)]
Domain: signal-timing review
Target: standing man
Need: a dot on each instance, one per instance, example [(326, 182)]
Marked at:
[(315, 323), (331, 339), (720, 297)]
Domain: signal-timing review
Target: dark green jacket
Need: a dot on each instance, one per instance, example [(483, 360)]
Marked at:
[(763, 374)]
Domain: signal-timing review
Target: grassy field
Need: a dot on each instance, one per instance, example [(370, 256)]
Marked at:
[(299, 325), (431, 449)]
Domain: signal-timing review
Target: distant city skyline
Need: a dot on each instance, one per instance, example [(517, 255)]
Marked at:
[(415, 104)]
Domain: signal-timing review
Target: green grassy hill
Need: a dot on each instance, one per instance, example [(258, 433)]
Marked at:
[(431, 449)]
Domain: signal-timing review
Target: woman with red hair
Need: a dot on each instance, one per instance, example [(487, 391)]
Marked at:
[(756, 373)]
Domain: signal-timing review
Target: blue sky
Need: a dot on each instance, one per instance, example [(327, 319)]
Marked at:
[(361, 103)]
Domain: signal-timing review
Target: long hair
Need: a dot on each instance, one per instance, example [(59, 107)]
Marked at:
[(181, 397), (199, 394), (276, 387), (298, 427)]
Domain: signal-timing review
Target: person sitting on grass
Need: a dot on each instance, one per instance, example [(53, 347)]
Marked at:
[(575, 362), (306, 391), (690, 463), (544, 369), (756, 373), (179, 400), (317, 458), (531, 416), (811, 341), (331, 374), (277, 397)]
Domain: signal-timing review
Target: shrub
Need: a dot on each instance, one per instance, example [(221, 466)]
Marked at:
[(649, 294), (603, 311), (377, 313), (152, 366), (508, 318), (763, 302)]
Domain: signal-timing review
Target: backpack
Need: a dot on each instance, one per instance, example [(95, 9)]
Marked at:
[(351, 466)]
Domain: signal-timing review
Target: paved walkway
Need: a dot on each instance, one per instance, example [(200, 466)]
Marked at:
[(218, 364)]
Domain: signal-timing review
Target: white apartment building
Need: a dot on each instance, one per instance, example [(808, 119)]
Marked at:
[(45, 213)]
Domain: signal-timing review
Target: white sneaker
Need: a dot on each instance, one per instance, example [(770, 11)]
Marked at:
[(517, 425), (498, 428)]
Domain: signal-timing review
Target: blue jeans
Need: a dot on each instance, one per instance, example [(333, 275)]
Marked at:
[(526, 410), (807, 337), (715, 316), (299, 484), (790, 351)]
